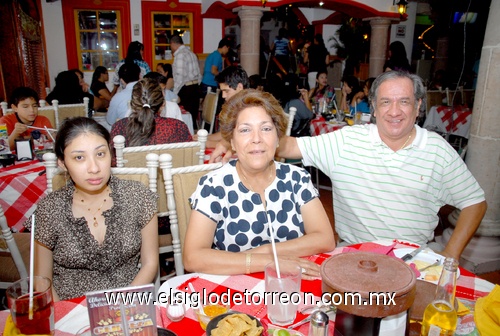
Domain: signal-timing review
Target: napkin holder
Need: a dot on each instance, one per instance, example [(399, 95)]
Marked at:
[(24, 149)]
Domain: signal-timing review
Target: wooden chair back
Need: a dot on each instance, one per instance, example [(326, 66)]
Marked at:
[(209, 109), (180, 183), (14, 254)]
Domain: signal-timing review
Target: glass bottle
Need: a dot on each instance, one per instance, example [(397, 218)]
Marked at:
[(440, 316)]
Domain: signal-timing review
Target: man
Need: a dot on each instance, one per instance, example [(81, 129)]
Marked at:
[(213, 66), (390, 179), (231, 80), (119, 105), (186, 72)]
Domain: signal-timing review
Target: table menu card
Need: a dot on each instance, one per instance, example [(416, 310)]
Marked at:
[(4, 140), (122, 311)]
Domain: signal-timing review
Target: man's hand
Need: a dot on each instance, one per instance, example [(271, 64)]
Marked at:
[(221, 153)]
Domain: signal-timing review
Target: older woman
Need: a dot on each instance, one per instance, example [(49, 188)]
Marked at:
[(234, 206)]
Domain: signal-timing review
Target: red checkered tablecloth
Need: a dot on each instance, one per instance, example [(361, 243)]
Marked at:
[(21, 187), (72, 315), (447, 119), (321, 126)]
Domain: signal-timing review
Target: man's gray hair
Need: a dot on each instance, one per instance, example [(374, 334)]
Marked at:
[(419, 91), (176, 39)]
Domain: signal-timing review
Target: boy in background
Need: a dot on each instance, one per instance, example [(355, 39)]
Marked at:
[(24, 103)]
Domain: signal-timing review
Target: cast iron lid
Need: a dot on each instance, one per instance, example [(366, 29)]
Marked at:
[(365, 273)]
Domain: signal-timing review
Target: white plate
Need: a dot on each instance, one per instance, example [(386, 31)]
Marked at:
[(335, 122), (427, 256), (2, 148)]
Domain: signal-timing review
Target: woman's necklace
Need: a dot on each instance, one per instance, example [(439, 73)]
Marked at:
[(94, 215), (247, 182)]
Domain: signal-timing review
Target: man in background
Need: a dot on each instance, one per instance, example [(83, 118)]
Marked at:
[(186, 72), (119, 105), (213, 66)]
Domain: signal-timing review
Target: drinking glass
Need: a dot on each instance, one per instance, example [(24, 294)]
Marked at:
[(340, 116), (42, 319), (279, 312)]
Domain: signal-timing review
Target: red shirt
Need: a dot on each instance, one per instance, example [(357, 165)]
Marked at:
[(11, 119)]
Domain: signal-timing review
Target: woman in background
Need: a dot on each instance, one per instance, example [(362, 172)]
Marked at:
[(68, 90), (360, 99), (101, 93), (321, 89), (89, 235), (350, 87), (398, 61), (135, 54), (145, 126), (165, 69)]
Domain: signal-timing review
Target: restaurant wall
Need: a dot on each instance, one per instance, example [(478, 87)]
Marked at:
[(54, 39), (212, 34), (136, 19)]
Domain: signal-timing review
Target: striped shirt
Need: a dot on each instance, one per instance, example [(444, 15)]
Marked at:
[(382, 194)]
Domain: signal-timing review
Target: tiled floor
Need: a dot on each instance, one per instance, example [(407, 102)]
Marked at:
[(326, 199)]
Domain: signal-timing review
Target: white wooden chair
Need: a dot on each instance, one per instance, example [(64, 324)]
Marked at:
[(183, 154), (14, 254), (180, 183), (209, 109), (56, 113), (70, 110), (148, 175)]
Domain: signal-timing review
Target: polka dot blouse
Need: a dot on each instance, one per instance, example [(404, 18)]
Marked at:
[(242, 221)]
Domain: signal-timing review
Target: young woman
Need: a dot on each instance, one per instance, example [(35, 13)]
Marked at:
[(102, 96), (321, 89), (93, 233)]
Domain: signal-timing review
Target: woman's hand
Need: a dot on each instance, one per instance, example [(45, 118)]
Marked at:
[(310, 270)]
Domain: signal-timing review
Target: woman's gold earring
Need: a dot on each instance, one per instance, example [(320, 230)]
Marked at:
[(277, 146)]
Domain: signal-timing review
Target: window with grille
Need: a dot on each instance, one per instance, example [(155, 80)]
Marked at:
[(165, 25), (98, 38)]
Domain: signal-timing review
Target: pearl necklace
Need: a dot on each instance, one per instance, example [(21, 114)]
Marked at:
[(96, 223)]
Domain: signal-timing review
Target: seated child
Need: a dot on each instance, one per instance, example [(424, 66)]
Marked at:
[(24, 103)]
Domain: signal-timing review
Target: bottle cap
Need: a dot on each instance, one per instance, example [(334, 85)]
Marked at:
[(319, 319)]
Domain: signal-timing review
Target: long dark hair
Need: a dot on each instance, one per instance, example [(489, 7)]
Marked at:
[(67, 89), (97, 74), (72, 128), (147, 99), (134, 51)]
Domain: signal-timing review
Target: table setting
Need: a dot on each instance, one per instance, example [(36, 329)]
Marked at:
[(70, 316)]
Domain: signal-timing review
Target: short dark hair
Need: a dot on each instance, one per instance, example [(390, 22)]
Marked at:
[(158, 77), (232, 76), (129, 72), (251, 98), (176, 39), (72, 128), (225, 43), (22, 93)]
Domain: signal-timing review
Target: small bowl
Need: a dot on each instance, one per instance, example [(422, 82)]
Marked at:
[(39, 153), (204, 319), (213, 323), (7, 159)]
